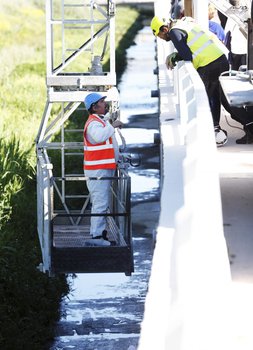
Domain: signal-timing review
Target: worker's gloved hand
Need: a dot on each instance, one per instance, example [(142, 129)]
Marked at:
[(172, 60), (117, 123)]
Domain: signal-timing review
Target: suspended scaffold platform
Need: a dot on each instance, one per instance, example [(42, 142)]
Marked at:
[(80, 49)]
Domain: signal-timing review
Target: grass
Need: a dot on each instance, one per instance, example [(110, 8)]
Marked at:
[(29, 300)]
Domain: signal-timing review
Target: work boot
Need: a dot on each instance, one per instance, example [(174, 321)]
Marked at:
[(247, 138)]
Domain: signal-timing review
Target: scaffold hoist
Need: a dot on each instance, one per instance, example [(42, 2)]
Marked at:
[(80, 56)]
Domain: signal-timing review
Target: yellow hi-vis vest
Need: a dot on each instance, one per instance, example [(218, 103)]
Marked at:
[(201, 43)]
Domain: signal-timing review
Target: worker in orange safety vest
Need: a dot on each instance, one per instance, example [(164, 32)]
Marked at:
[(101, 154)]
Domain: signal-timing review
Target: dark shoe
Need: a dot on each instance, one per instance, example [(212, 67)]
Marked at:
[(104, 236), (246, 139)]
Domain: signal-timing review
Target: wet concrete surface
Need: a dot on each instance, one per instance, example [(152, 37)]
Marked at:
[(105, 311)]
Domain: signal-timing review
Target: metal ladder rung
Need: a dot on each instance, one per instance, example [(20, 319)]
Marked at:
[(77, 50), (77, 21), (75, 196), (76, 5), (84, 21), (79, 27), (74, 154), (73, 130)]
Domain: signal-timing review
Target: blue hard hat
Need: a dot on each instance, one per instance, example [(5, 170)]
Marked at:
[(92, 98)]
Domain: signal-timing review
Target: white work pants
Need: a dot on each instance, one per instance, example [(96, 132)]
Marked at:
[(100, 196)]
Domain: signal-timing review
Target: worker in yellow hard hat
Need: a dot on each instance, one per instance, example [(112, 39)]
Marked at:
[(198, 46), (156, 24)]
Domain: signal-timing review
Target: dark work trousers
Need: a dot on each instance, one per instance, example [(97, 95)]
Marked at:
[(210, 77)]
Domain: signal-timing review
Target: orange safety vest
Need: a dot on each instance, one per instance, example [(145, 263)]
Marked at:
[(99, 155)]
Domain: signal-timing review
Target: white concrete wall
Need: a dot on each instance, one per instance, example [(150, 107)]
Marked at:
[(186, 306)]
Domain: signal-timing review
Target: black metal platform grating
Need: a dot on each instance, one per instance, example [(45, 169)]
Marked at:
[(74, 236)]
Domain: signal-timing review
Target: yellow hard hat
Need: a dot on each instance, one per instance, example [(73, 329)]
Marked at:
[(156, 24)]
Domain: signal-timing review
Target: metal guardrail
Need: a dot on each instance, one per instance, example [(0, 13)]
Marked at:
[(53, 202), (44, 208)]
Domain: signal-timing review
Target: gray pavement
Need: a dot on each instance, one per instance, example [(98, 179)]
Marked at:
[(236, 180)]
